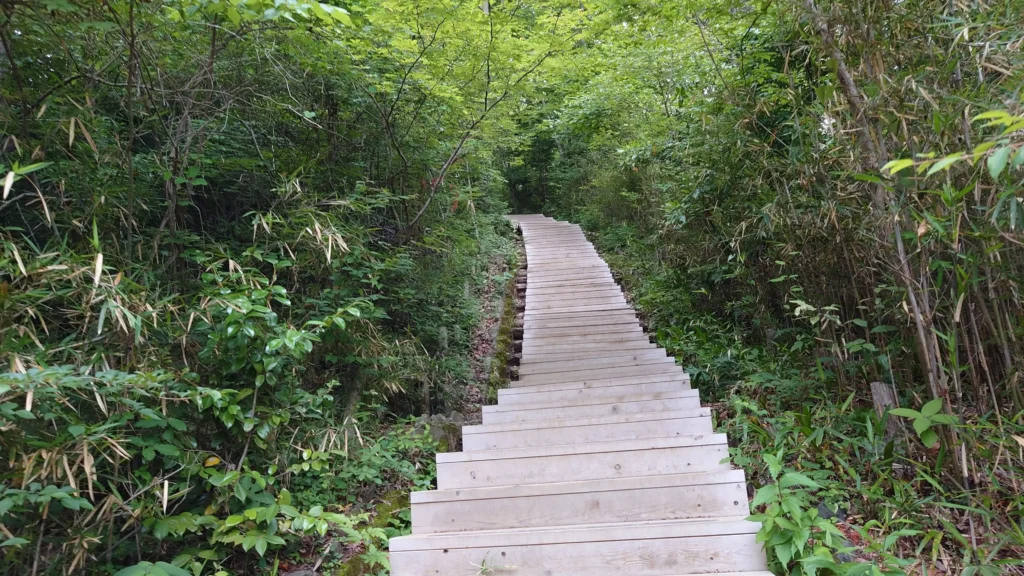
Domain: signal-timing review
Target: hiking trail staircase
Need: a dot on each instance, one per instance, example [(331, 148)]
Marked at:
[(598, 461)]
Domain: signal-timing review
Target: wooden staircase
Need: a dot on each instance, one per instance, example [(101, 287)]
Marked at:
[(598, 461)]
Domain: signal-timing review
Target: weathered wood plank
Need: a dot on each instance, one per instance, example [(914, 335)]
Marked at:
[(582, 534), (605, 408), (629, 427), (610, 361), (567, 397), (602, 373), (614, 419), (681, 377), (565, 463), (648, 498)]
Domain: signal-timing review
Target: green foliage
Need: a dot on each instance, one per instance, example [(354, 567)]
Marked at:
[(790, 519), (926, 419), (242, 242)]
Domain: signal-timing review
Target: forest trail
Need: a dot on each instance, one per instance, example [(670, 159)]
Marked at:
[(598, 461)]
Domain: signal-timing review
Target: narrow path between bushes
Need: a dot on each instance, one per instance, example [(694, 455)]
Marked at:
[(598, 460)]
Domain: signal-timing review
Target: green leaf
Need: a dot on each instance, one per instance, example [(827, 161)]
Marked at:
[(764, 495), (896, 166), (1018, 159), (161, 529), (997, 161), (234, 520), (946, 162), (150, 423), (922, 424), (991, 114), (868, 178), (944, 419), (13, 542), (904, 412), (151, 569), (932, 407), (218, 479), (261, 545), (167, 449), (929, 438), (76, 430), (794, 478), (284, 498)]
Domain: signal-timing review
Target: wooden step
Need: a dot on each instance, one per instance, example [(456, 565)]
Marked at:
[(591, 421), (640, 499), (649, 352), (611, 361), (585, 342), (614, 317), (544, 404), (602, 373), (579, 261), (638, 549), (535, 433), (577, 340), (568, 288), (571, 314), (569, 462), (549, 272), (601, 276), (559, 331), (639, 347), (604, 289), (580, 308), (606, 407), (680, 376), (569, 282), (619, 300), (570, 397), (609, 295)]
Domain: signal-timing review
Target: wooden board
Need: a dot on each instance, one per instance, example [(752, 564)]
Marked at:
[(641, 499), (619, 459), (605, 408)]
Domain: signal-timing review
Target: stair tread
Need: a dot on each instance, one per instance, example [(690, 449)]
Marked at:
[(591, 401), (592, 421), (689, 528), (579, 486), (573, 449)]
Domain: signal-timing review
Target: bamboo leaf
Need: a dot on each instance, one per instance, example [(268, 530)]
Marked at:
[(922, 425), (997, 161), (991, 115), (895, 166), (932, 407), (945, 163)]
